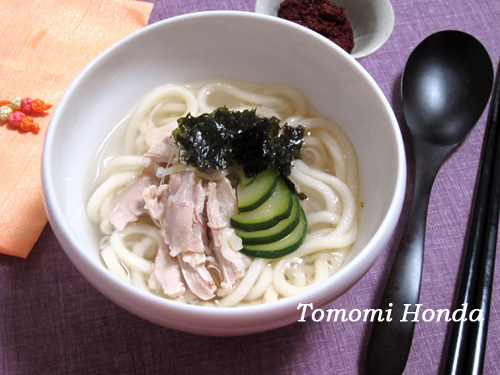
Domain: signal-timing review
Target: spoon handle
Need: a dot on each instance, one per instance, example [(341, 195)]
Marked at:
[(390, 341)]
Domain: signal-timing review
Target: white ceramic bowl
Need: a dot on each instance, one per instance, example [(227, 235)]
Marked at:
[(236, 46), (372, 22)]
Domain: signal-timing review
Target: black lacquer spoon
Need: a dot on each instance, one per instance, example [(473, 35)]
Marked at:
[(445, 87)]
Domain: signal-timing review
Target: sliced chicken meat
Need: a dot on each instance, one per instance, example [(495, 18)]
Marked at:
[(221, 203), (130, 201)]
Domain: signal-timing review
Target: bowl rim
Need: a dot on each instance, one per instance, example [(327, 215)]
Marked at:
[(78, 254)]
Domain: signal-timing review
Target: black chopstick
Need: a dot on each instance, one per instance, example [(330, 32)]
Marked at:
[(467, 343)]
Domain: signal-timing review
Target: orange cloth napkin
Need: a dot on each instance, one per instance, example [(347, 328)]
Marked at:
[(45, 43)]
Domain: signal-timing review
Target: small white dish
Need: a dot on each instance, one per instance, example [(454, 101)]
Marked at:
[(372, 22)]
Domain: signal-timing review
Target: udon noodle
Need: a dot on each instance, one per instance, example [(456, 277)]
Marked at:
[(327, 174)]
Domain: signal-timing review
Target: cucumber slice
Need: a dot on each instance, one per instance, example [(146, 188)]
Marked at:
[(268, 214), (281, 247), (276, 232), (256, 192), (245, 181)]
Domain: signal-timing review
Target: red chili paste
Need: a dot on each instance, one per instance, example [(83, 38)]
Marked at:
[(322, 16)]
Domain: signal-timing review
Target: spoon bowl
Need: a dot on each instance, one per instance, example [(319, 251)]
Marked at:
[(433, 87), (446, 85), (372, 22)]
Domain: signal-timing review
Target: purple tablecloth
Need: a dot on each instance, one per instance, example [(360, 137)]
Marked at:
[(52, 321)]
